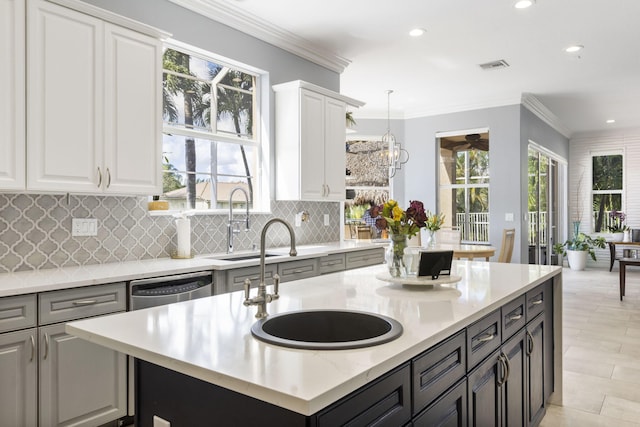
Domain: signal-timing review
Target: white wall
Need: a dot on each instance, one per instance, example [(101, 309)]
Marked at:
[(580, 149)]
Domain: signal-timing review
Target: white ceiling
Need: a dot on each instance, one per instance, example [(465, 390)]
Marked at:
[(439, 73)]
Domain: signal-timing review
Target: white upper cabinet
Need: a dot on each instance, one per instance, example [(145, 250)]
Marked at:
[(12, 101), (133, 119), (94, 104), (310, 142)]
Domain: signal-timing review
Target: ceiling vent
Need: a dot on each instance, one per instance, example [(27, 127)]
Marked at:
[(501, 63)]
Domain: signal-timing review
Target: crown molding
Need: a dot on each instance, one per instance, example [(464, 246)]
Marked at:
[(534, 105), (247, 23)]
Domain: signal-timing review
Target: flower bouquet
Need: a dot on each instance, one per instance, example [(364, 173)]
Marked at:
[(401, 225)]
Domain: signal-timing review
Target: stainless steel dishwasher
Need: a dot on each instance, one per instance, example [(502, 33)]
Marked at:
[(165, 290), (157, 291)]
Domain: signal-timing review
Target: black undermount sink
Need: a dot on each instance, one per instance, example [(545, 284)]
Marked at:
[(327, 329)]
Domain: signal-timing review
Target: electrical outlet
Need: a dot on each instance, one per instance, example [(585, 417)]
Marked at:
[(326, 220), (160, 422), (84, 227), (508, 217)]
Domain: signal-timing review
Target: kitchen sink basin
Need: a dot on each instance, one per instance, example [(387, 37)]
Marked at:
[(327, 329), (240, 257)]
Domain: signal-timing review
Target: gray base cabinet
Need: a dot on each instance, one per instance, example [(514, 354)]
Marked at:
[(81, 383), (19, 383), (49, 378)]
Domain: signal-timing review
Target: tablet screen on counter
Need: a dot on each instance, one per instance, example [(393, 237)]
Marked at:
[(435, 263)]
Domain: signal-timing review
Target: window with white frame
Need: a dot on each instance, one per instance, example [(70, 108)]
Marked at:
[(606, 190), (464, 184), (211, 143)]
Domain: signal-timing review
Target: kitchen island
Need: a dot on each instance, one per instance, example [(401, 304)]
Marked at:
[(210, 339)]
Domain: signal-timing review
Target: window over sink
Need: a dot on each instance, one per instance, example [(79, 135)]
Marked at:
[(211, 131)]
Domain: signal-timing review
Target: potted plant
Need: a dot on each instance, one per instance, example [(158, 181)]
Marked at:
[(558, 249), (577, 248), (617, 226)]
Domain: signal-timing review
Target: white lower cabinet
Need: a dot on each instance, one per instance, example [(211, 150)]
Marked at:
[(81, 383), (19, 381)]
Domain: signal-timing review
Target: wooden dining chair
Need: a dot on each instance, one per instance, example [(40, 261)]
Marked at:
[(448, 235), (508, 239)]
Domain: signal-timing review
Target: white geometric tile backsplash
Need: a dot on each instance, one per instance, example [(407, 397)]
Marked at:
[(35, 230)]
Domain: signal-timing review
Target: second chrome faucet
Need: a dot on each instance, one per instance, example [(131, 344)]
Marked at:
[(233, 226)]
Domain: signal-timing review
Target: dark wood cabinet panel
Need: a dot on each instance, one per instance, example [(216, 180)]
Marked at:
[(450, 410), (385, 402), (514, 389), (484, 393), (483, 337), (535, 369), (513, 316), (436, 370)]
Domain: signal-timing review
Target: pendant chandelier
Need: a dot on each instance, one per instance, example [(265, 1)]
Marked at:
[(390, 154)]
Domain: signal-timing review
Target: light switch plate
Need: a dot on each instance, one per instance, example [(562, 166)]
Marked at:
[(508, 217), (326, 220), (81, 227)]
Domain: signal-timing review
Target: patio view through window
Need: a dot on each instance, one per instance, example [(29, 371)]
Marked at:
[(464, 185), (210, 144), (606, 190)]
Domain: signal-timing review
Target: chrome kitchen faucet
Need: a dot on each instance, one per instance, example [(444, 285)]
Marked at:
[(233, 227), (263, 297)]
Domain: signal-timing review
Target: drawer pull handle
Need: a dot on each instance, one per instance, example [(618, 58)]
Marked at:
[(46, 346), (537, 302), (85, 302), (515, 317), (99, 177), (487, 338), (33, 348), (298, 271)]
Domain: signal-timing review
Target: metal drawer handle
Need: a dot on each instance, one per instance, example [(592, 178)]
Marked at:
[(33, 348), (99, 177), (46, 346), (108, 178), (487, 338), (85, 302), (502, 362), (537, 302), (298, 271), (515, 317)]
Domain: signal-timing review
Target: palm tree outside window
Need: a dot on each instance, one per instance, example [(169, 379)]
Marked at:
[(210, 145)]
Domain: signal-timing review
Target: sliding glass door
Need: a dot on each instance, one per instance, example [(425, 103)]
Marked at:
[(546, 205)]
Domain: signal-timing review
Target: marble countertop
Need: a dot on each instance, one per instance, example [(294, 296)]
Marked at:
[(26, 282), (210, 338)]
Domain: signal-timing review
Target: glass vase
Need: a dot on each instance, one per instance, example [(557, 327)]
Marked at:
[(395, 255), (432, 238), (576, 228)]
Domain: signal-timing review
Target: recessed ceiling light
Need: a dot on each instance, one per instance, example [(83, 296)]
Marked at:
[(417, 32), (575, 48), (523, 4), (611, 121)]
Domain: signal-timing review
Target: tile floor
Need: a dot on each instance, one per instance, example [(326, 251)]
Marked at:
[(601, 351)]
